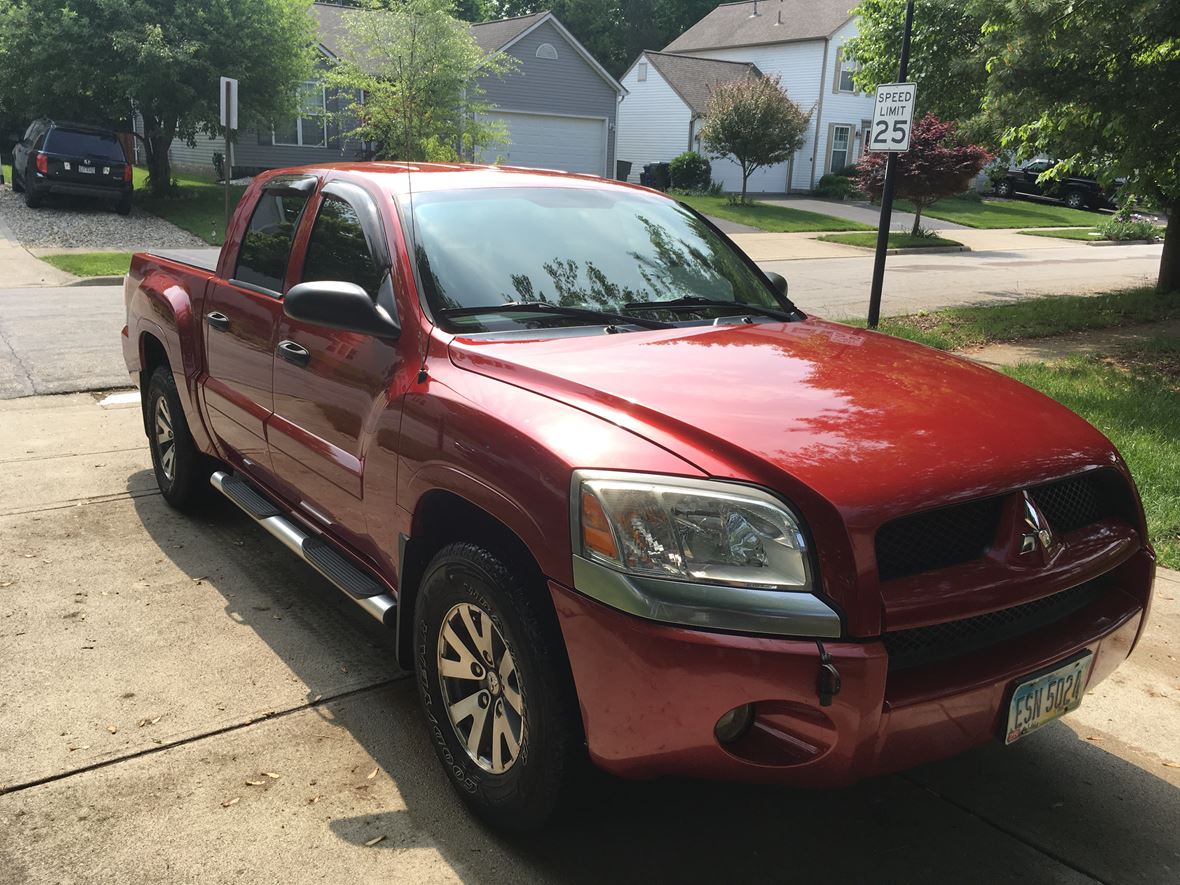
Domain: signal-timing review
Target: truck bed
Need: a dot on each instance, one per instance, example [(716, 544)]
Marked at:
[(202, 259)]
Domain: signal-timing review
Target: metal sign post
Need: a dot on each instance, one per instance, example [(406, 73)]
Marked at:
[(895, 126), (229, 120)]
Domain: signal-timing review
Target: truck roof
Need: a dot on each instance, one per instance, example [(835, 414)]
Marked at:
[(399, 177)]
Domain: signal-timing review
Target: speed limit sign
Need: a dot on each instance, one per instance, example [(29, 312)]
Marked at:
[(893, 115)]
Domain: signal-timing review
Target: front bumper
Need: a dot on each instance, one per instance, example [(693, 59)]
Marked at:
[(652, 693)]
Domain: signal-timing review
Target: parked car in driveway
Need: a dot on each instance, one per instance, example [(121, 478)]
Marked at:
[(1076, 192), (74, 159), (618, 497)]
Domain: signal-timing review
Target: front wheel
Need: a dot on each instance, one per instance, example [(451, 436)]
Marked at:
[(1003, 189), (495, 687), (181, 471), (1075, 200)]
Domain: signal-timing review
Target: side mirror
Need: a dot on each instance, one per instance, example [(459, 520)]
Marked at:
[(339, 305), (778, 281)]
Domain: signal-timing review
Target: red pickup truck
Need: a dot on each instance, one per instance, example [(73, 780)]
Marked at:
[(619, 497)]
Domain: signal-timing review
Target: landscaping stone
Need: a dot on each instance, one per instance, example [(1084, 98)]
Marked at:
[(75, 223)]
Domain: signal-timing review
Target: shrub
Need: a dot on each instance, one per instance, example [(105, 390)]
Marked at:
[(835, 186), (1116, 228), (219, 164), (691, 172)]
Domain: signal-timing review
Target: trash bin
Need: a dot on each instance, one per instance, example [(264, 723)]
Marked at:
[(658, 175), (622, 169)]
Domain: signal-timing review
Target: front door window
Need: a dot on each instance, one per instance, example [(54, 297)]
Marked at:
[(840, 138)]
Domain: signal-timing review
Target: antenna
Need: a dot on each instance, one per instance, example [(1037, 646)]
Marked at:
[(410, 186)]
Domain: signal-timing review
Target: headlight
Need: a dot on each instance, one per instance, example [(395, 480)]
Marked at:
[(704, 531)]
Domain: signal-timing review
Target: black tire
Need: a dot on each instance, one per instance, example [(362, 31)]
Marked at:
[(16, 188), (1075, 200), (525, 795), (1003, 189), (184, 477), (32, 198), (123, 207)]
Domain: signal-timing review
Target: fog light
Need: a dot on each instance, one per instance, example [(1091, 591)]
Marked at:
[(734, 724)]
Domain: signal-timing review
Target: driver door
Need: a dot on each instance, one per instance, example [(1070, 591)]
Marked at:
[(329, 385)]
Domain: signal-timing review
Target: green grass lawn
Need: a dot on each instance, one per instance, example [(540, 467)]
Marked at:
[(778, 219), (959, 327), (199, 207), (896, 240), (1132, 396), (1074, 233), (91, 264), (1003, 213), (8, 174)]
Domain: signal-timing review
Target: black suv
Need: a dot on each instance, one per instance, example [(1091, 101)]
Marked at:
[(1076, 192), (69, 158)]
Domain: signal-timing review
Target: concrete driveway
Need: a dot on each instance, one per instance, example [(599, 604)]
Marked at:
[(182, 700)]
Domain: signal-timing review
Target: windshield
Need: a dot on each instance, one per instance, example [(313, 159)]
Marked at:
[(91, 145), (613, 251)]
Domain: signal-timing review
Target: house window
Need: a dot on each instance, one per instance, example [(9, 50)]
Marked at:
[(840, 138), (310, 128), (641, 73), (547, 50), (844, 71)]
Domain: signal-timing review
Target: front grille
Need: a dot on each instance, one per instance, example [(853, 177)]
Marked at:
[(937, 538), (939, 642), (1074, 502)]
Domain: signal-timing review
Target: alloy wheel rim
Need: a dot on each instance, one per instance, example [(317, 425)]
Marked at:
[(481, 688), (165, 439)]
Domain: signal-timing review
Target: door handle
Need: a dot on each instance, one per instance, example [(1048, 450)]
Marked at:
[(293, 353), (217, 320)]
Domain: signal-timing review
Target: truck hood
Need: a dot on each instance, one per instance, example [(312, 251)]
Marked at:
[(874, 425)]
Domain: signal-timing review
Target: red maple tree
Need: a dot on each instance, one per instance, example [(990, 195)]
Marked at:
[(934, 167)]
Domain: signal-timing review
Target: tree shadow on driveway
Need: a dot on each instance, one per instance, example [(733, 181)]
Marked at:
[(1051, 808)]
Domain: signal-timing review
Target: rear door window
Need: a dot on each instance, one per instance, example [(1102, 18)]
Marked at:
[(266, 246), (86, 145), (339, 249)]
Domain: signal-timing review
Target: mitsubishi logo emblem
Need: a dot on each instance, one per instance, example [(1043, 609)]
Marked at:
[(1038, 534)]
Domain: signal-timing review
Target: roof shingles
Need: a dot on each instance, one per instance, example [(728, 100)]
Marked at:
[(777, 21), (693, 79)]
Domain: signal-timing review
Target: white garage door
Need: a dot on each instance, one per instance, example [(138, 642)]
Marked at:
[(542, 141)]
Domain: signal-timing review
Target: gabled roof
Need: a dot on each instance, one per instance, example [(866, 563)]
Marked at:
[(693, 79), (491, 36), (776, 21)]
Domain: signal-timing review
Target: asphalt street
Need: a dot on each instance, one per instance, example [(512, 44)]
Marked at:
[(61, 339), (182, 700)]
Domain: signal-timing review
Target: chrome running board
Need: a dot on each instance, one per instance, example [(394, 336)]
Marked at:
[(360, 587)]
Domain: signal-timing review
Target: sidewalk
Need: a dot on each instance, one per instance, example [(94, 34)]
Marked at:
[(865, 213), (1043, 350), (19, 269)]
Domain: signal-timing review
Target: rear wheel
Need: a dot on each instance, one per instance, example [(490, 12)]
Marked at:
[(495, 688), (17, 186), (123, 207), (1075, 200), (32, 198), (181, 471), (1003, 188)]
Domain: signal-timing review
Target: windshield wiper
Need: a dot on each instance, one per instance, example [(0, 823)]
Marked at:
[(580, 313), (689, 301)]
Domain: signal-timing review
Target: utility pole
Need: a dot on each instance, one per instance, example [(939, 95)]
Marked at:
[(887, 192)]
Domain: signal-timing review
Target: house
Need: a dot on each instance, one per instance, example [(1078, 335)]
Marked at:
[(559, 106), (800, 41)]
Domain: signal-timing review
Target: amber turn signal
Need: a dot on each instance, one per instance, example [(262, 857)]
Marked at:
[(597, 536)]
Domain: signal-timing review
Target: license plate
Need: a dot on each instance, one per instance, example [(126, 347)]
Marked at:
[(1043, 698), (86, 170)]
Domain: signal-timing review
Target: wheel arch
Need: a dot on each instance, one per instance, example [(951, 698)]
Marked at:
[(443, 517)]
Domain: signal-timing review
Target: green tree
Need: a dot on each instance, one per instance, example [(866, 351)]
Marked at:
[(102, 60), (1093, 84), (418, 68), (753, 121), (934, 167), (946, 58)]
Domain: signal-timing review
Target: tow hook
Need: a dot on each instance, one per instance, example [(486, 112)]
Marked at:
[(828, 683)]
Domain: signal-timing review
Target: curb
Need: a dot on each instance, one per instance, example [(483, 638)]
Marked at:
[(915, 250), (96, 281), (1120, 242)]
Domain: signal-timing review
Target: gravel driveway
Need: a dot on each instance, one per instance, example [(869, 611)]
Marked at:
[(64, 222)]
